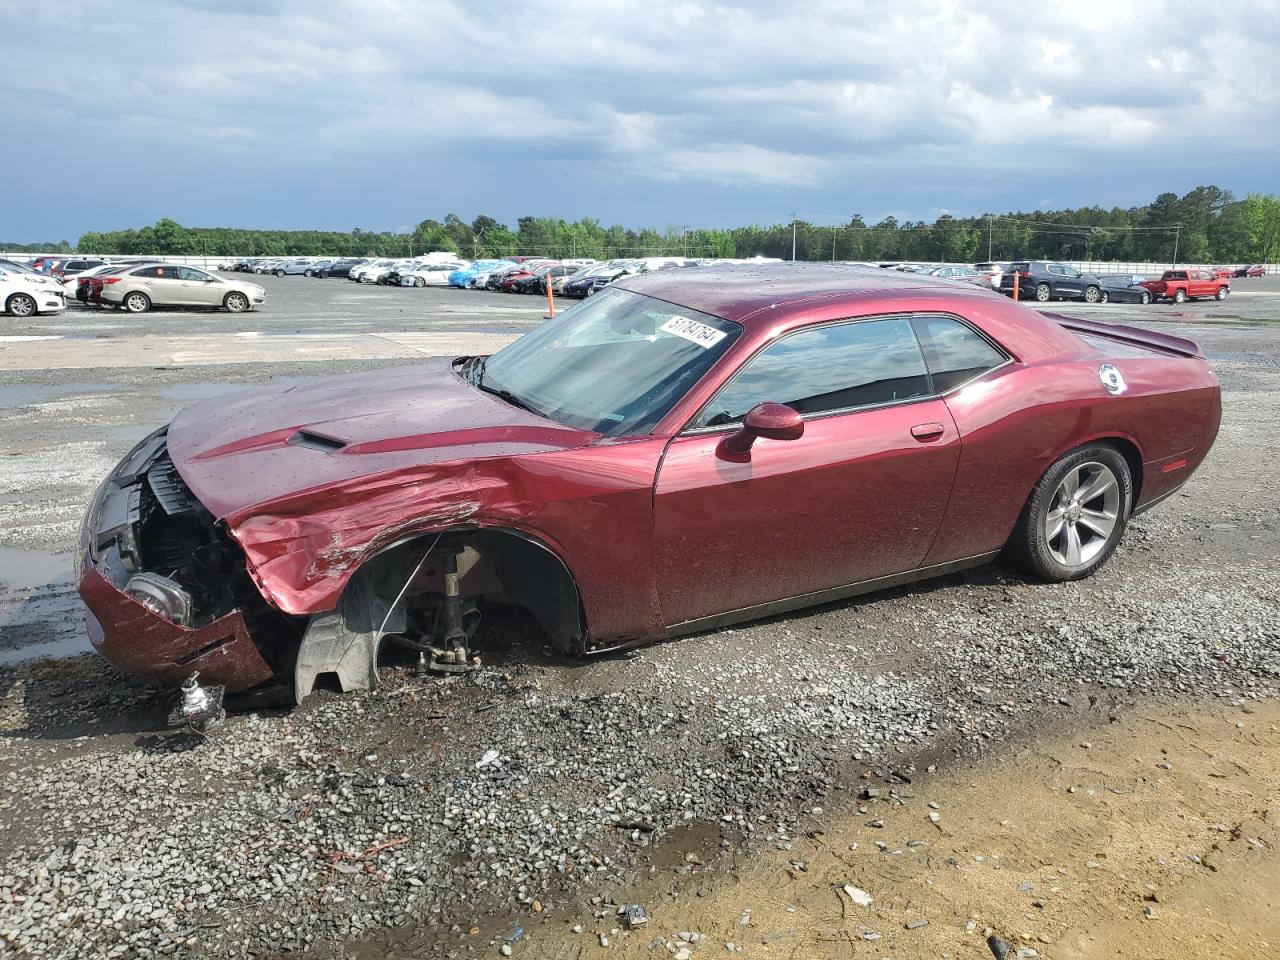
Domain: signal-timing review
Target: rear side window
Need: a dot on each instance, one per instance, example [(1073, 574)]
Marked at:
[(837, 366), (954, 351)]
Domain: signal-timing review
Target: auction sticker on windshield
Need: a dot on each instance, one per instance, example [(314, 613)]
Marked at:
[(699, 333)]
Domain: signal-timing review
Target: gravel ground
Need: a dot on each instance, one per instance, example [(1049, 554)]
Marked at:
[(383, 822)]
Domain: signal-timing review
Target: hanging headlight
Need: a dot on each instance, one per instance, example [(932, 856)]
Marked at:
[(161, 595)]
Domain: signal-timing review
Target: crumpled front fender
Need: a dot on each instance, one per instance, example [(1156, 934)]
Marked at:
[(302, 550)]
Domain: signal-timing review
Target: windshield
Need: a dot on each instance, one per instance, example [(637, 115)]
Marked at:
[(616, 364)]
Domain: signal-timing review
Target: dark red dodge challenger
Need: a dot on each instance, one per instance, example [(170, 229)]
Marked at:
[(686, 449)]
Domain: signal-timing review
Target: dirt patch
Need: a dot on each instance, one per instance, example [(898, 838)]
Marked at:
[(1151, 837)]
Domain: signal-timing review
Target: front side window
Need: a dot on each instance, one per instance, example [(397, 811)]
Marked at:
[(616, 364), (954, 352), (836, 366)]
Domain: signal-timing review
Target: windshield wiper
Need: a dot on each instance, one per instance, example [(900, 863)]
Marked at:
[(510, 397)]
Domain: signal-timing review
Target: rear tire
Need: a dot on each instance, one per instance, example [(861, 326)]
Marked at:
[(1180, 296), (21, 305), (136, 303), (279, 273), (1076, 516), (1146, 298), (1043, 292), (306, 273)]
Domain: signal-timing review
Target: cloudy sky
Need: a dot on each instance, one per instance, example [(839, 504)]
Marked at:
[(380, 113)]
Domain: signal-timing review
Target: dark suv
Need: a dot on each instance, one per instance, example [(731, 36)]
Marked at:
[(1045, 280)]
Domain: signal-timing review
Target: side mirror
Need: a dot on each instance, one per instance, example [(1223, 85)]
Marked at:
[(773, 421)]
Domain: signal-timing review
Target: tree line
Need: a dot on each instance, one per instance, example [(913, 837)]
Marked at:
[(1205, 225)]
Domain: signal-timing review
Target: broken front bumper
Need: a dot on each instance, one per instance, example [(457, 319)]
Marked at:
[(132, 636), (141, 642)]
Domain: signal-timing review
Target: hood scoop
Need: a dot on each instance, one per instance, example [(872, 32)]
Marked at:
[(315, 441)]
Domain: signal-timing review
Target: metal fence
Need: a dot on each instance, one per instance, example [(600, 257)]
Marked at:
[(1085, 266), (1108, 266)]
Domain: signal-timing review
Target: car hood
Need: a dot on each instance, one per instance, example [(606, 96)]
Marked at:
[(243, 451)]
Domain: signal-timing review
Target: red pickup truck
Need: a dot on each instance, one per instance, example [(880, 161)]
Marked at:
[(1183, 285)]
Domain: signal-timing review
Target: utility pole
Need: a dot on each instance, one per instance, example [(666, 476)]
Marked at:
[(1177, 232), (833, 243), (684, 239), (988, 238), (793, 237)]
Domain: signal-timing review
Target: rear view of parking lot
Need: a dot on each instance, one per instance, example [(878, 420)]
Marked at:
[(370, 822)]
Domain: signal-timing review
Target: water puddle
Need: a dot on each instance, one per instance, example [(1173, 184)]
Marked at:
[(28, 569), (25, 394), (198, 391), (40, 613), (67, 646)]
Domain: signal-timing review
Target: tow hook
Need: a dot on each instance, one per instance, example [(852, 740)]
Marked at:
[(200, 707)]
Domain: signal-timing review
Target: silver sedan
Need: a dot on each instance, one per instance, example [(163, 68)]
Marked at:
[(173, 285)]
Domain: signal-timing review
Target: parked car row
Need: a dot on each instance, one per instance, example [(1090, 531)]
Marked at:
[(136, 287), (137, 284), (573, 277), (25, 293), (1045, 280)]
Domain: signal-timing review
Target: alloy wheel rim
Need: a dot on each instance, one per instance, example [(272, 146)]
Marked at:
[(136, 302), (22, 306), (1042, 293), (1082, 515)]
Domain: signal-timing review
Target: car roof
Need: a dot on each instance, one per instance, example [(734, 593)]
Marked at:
[(740, 292)]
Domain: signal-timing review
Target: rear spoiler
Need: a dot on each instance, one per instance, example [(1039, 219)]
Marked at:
[(1126, 334)]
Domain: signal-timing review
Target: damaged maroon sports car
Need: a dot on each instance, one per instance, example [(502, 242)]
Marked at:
[(685, 450)]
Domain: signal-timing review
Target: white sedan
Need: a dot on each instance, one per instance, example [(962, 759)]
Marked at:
[(429, 275), (368, 272), (26, 294)]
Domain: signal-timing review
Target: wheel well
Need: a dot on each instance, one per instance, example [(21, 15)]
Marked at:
[(1132, 457), (1126, 448), (499, 565)]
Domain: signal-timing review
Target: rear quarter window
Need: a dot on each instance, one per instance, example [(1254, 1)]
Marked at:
[(954, 352)]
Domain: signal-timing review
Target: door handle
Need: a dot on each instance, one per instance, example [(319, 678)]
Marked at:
[(927, 432)]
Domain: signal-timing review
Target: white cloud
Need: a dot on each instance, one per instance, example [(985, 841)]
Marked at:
[(808, 95)]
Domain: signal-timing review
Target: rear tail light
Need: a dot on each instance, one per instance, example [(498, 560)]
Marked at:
[(111, 279), (1025, 274)]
